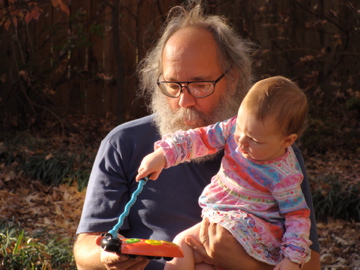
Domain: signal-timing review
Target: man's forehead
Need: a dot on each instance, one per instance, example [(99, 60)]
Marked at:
[(191, 35), (190, 42), (190, 62)]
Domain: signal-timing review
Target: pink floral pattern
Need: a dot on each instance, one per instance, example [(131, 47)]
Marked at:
[(260, 203)]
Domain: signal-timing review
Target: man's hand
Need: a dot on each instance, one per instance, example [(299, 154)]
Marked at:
[(286, 264), (113, 260), (90, 256), (216, 242)]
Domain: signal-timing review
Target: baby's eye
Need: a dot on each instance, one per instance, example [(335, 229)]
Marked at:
[(255, 141)]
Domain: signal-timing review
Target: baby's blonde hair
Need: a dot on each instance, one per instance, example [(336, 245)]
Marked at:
[(282, 100)]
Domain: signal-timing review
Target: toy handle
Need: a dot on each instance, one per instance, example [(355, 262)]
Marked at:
[(115, 229), (110, 244)]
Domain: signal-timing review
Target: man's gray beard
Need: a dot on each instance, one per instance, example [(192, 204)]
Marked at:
[(169, 121)]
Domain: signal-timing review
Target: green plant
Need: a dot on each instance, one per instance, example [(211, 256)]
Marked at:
[(57, 169), (34, 157), (336, 198), (50, 170), (18, 250)]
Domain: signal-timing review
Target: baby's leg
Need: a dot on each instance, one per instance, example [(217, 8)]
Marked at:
[(190, 261)]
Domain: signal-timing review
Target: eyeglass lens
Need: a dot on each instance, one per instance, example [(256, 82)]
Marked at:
[(197, 89)]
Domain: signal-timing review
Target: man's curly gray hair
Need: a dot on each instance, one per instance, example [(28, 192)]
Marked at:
[(233, 51)]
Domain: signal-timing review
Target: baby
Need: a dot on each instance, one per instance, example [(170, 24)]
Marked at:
[(256, 194)]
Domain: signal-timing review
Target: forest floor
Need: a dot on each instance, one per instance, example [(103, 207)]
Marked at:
[(57, 209)]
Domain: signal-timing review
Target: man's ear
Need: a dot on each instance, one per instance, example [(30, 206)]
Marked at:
[(289, 140)]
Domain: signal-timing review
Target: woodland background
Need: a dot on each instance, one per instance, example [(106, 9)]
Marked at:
[(68, 76)]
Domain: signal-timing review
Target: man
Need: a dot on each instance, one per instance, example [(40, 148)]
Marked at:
[(192, 48)]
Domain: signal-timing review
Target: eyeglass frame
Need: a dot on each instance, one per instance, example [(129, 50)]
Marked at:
[(187, 84)]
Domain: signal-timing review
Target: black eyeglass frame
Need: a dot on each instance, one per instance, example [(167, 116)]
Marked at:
[(186, 86)]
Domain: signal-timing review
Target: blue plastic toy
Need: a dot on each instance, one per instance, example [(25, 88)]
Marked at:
[(152, 249)]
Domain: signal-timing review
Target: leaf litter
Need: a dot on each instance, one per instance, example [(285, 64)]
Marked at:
[(57, 209)]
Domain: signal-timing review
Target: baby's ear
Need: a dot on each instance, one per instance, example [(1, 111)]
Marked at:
[(289, 140)]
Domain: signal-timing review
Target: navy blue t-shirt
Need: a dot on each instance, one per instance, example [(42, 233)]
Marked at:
[(166, 206)]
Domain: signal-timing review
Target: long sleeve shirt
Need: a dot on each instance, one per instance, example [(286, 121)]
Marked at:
[(260, 201)]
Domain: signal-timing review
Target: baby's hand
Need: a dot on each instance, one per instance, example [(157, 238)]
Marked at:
[(152, 165), (286, 264)]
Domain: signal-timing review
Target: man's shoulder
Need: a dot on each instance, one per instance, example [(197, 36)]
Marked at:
[(297, 153), (141, 127), (143, 122)]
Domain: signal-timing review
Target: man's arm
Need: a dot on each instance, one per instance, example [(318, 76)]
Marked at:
[(89, 256), (314, 263), (87, 253)]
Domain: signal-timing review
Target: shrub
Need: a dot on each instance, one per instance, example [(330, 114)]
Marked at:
[(18, 250), (336, 198)]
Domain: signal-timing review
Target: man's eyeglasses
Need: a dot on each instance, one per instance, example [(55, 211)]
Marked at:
[(198, 89)]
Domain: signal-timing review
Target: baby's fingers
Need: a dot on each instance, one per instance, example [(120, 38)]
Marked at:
[(154, 175), (141, 174)]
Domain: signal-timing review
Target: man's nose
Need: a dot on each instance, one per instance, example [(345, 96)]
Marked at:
[(186, 99)]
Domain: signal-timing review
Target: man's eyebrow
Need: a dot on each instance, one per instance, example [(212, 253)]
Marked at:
[(198, 78)]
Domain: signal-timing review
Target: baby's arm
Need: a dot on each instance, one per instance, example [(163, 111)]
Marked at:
[(292, 204), (152, 165)]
